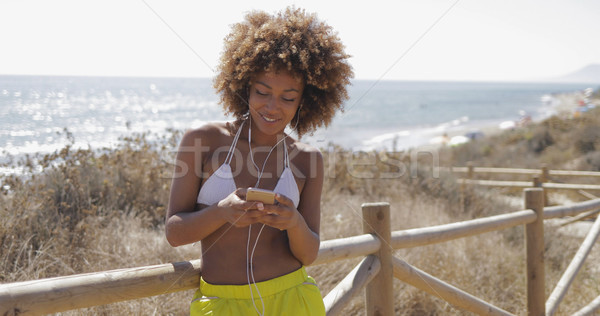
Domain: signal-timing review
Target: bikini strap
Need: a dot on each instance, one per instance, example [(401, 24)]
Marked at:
[(234, 143), (286, 157)]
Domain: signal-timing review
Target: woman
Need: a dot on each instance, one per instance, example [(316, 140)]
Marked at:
[(281, 70)]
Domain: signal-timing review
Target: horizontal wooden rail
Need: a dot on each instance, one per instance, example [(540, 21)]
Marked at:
[(498, 183), (441, 233), (571, 186), (589, 309), (351, 285), (528, 184), (571, 272), (346, 248), (457, 297), (572, 173), (91, 289), (84, 290), (570, 210), (497, 170)]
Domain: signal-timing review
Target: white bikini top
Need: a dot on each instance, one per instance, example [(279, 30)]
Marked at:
[(221, 183)]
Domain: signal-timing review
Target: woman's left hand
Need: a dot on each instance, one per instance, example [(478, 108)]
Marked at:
[(281, 215)]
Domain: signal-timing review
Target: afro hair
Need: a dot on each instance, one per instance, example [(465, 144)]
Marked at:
[(292, 40)]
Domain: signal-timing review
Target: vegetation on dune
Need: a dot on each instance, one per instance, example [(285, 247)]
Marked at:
[(562, 143), (51, 211), (83, 210)]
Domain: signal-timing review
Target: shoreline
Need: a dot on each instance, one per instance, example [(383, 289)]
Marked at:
[(392, 116), (563, 105)]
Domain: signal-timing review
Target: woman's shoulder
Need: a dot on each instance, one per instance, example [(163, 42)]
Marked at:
[(211, 129), (305, 149), (209, 133), (305, 157)]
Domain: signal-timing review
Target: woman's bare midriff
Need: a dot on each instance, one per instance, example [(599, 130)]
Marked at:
[(224, 255)]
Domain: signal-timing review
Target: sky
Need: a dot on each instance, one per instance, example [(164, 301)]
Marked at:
[(465, 40)]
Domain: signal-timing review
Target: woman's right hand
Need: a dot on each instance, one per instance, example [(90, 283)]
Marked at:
[(239, 212)]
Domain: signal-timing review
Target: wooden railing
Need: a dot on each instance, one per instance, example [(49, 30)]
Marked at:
[(375, 272), (540, 177)]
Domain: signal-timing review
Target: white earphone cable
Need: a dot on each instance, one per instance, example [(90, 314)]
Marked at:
[(250, 255)]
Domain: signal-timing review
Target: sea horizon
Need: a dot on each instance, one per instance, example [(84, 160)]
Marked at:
[(383, 114)]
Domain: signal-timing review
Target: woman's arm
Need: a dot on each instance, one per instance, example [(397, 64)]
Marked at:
[(182, 221), (184, 224), (304, 237), (302, 225)]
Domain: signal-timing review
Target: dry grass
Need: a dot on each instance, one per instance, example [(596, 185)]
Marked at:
[(86, 210)]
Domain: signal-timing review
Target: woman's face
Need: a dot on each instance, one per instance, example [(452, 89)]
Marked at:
[(274, 98)]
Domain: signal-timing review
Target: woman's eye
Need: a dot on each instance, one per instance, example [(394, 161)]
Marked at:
[(260, 92), (288, 100)]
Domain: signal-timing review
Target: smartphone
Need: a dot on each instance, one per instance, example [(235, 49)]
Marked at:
[(260, 195)]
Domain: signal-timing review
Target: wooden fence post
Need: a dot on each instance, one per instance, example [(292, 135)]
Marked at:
[(379, 296), (545, 177), (537, 183), (463, 188), (470, 170), (463, 185), (534, 245)]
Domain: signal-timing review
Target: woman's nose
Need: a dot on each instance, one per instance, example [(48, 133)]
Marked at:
[(271, 103)]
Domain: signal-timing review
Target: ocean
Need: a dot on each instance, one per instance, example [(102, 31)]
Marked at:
[(392, 115)]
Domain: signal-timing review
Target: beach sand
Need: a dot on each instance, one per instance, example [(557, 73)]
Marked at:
[(563, 105)]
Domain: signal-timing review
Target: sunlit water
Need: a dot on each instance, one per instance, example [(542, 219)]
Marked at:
[(35, 110)]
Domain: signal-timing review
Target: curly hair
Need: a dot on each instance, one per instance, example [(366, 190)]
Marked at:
[(292, 40)]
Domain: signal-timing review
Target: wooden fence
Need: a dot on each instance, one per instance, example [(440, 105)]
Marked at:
[(375, 272), (540, 177)]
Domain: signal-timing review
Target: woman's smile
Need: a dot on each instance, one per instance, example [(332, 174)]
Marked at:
[(274, 99), (268, 119)]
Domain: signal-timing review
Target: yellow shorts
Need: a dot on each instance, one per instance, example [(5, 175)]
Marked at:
[(292, 294)]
